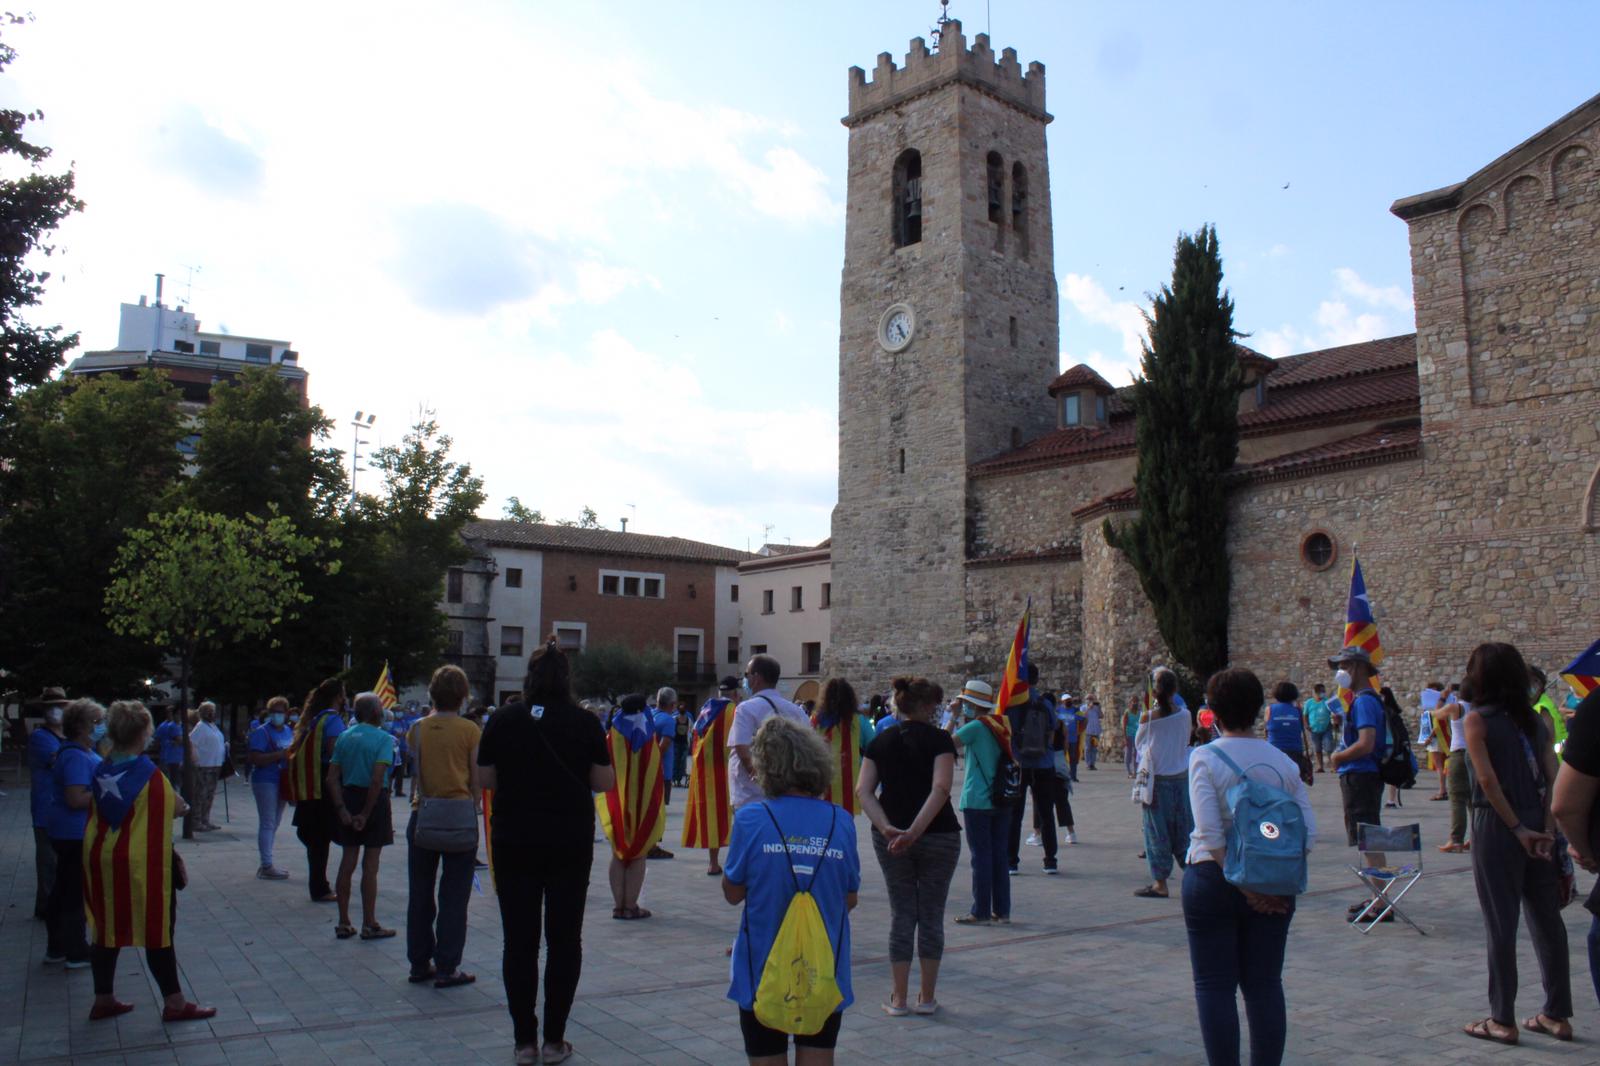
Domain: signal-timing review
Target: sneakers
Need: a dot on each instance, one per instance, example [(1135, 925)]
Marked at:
[(54, 960), (999, 920), (1050, 871), (1033, 839), (658, 852), (77, 964), (1071, 837), (1012, 871), (272, 873)]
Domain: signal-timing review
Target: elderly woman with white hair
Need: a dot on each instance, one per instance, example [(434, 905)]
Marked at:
[(358, 782), (208, 750), (791, 839)]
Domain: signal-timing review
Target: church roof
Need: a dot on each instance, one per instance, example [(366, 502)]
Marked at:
[(1383, 444), (511, 534), (1081, 376), (1349, 383)]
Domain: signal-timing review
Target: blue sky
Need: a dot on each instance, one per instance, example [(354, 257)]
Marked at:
[(603, 241)]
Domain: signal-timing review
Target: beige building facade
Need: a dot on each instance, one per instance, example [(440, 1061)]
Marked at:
[(1463, 462), (786, 610)]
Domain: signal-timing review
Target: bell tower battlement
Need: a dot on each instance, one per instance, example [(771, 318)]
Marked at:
[(926, 71)]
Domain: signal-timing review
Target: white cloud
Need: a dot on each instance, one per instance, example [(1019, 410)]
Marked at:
[(1380, 311), (1095, 305)]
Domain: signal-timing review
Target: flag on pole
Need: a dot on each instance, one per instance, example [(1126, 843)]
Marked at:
[(708, 819), (385, 688), (127, 855), (1360, 629), (1014, 683), (1583, 673)]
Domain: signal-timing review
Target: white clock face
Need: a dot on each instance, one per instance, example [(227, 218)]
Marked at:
[(896, 327)]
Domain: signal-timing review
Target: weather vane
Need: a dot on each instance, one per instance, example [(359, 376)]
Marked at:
[(937, 33)]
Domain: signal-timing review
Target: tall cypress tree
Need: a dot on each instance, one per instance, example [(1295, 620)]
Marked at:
[(1186, 423)]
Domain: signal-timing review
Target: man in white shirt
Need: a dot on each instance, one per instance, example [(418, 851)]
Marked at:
[(761, 675), (207, 749)]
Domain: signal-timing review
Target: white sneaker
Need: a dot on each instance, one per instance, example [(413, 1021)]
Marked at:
[(1070, 838), (1033, 839)]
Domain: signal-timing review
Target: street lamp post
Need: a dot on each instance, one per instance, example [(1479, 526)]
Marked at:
[(362, 422)]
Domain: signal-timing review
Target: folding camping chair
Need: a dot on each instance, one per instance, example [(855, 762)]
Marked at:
[(1391, 864)]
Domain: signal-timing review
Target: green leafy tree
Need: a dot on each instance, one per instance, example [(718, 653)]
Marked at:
[(262, 451), (586, 519), (193, 579), (517, 511), (86, 461), (612, 670), (32, 204), (1186, 427), (398, 547)]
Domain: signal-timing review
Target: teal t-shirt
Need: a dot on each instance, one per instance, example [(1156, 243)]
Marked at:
[(983, 758), (358, 750), (1317, 718)]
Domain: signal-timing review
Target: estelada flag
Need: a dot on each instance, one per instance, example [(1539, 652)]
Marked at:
[(1013, 684), (384, 688), (302, 777), (1583, 673), (127, 855), (488, 826), (1360, 630), (708, 821), (633, 812), (846, 741)]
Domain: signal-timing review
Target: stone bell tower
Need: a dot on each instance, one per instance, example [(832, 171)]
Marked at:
[(948, 338)]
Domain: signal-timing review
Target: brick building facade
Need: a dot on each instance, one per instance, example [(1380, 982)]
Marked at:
[(1463, 461)]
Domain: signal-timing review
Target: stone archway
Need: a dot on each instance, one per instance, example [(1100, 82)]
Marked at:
[(1591, 502)]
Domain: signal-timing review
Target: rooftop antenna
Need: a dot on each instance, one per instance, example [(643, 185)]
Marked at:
[(937, 33), (155, 344), (766, 533), (188, 284)]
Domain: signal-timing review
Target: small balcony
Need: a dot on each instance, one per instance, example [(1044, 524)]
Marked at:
[(689, 673)]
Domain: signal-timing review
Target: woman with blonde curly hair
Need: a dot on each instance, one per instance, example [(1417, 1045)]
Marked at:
[(790, 838)]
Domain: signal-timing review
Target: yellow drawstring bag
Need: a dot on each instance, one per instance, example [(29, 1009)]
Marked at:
[(799, 987)]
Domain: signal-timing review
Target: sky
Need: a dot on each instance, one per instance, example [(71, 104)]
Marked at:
[(603, 242)]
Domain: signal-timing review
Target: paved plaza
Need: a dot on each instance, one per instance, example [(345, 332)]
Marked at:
[(1086, 974)]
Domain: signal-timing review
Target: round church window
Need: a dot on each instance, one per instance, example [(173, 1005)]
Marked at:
[(1317, 550)]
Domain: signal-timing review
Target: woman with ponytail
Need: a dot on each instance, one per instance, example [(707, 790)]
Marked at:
[(1163, 743)]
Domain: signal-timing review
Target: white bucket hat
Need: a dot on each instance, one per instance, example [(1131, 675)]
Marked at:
[(978, 694)]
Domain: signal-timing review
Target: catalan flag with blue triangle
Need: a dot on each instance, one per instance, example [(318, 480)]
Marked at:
[(633, 813), (1013, 683), (127, 855), (1360, 629), (1583, 673), (384, 688)]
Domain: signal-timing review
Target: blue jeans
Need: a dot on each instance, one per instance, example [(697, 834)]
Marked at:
[(1167, 825), (431, 945), (1235, 949), (269, 813), (991, 879)]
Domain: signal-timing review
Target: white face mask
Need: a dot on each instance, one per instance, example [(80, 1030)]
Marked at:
[(1343, 679), (53, 715)]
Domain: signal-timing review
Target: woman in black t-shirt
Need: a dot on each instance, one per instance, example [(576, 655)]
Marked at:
[(915, 833), (544, 758)]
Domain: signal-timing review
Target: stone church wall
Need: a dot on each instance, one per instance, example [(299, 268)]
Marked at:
[(1032, 510)]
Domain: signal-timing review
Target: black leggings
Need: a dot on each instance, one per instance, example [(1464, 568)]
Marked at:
[(163, 963), (550, 887)]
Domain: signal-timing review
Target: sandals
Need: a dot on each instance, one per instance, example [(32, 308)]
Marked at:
[(1452, 848), (970, 919), (896, 1012), (926, 1007), (375, 932), (1150, 893), (112, 1010), (189, 1012), (1556, 1027), (630, 914), (422, 978), (453, 980), (561, 1053), (715, 871), (344, 932), (1481, 1031)]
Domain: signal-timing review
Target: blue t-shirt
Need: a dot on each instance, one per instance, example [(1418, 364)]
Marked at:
[(757, 859), (42, 748), (332, 725), (665, 724), (358, 750), (1283, 727), (170, 734), (1068, 717), (75, 765), (1366, 713), (266, 737)]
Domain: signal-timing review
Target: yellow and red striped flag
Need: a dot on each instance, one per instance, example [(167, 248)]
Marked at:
[(1013, 684), (385, 688), (846, 740), (302, 776), (708, 820), (633, 812), (127, 855), (1360, 629), (1583, 673)]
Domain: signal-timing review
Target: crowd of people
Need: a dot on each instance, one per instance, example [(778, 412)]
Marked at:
[(546, 778)]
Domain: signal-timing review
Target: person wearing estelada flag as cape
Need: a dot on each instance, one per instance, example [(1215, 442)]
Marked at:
[(130, 872), (708, 821), (633, 812)]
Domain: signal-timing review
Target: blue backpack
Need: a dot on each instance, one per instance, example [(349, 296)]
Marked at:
[(1267, 842)]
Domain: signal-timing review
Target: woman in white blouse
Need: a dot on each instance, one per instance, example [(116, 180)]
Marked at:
[(1163, 743), (1236, 937)]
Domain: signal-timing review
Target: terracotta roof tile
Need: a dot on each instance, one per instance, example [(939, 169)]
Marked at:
[(1081, 376), (1390, 353), (599, 542), (1385, 442)]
